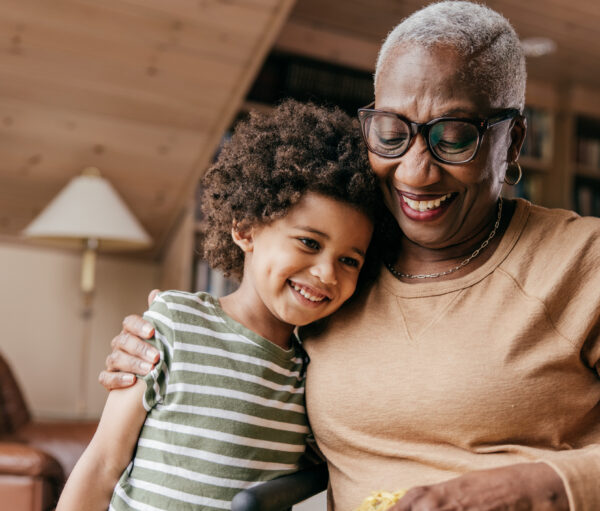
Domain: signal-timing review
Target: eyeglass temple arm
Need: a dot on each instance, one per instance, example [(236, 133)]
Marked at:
[(503, 116)]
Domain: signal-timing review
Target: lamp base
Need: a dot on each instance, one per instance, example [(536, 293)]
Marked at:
[(86, 339), (88, 266)]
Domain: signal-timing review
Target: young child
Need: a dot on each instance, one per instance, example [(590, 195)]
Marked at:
[(289, 209)]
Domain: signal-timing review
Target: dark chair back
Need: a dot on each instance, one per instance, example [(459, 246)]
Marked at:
[(283, 493), (14, 411)]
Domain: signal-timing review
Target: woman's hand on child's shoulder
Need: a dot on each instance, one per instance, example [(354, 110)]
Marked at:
[(131, 354)]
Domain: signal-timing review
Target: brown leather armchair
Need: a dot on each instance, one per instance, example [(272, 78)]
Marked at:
[(35, 457)]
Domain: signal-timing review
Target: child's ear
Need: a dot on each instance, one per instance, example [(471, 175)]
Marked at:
[(242, 236)]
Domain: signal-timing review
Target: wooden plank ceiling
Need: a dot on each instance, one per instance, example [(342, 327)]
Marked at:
[(349, 32), (143, 89)]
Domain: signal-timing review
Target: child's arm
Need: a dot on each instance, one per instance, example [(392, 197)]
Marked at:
[(93, 479)]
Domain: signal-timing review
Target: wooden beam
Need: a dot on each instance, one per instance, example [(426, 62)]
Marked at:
[(237, 94), (319, 43)]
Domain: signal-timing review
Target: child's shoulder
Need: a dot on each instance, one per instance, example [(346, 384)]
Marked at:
[(174, 301), (182, 315), (175, 296)]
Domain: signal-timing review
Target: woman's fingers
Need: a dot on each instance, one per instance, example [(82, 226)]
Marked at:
[(131, 354), (511, 488), (131, 339), (152, 295), (138, 326), (111, 381), (120, 361), (417, 499)]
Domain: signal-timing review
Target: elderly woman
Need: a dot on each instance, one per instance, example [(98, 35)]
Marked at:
[(469, 370)]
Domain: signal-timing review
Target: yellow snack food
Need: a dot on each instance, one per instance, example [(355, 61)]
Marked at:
[(381, 500)]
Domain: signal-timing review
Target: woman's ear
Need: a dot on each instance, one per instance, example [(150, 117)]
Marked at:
[(243, 236), (517, 137)]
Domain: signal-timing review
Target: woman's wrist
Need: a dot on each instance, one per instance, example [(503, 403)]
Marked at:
[(548, 487)]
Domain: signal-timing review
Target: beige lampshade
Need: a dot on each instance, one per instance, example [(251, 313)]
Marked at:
[(89, 208)]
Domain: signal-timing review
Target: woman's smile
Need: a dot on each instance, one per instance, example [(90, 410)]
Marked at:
[(424, 207)]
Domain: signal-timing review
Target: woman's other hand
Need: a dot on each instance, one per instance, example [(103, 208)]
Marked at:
[(522, 487), (131, 354)]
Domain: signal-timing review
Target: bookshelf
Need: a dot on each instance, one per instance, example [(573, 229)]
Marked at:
[(587, 156), (561, 154), (537, 148), (537, 156), (586, 180), (291, 76)]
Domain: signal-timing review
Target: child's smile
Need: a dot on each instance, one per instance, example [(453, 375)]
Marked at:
[(301, 267), (308, 293)]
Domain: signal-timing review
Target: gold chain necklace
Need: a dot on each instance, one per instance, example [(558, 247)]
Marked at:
[(399, 275)]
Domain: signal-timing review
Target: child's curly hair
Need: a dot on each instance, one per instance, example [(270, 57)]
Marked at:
[(271, 162)]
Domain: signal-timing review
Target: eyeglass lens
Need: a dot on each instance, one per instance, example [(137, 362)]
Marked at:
[(449, 140)]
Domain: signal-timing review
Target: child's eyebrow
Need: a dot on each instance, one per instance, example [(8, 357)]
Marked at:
[(326, 236), (311, 229), (359, 251)]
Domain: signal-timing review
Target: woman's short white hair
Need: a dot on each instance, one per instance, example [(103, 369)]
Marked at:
[(484, 38)]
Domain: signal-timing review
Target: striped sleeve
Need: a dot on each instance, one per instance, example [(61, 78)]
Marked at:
[(164, 339)]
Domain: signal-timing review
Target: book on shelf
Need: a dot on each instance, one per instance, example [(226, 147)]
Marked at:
[(531, 188), (588, 152), (587, 197), (538, 138)]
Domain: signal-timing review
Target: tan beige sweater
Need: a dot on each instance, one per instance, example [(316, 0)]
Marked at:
[(418, 383)]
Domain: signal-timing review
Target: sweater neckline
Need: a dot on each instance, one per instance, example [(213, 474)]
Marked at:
[(431, 288)]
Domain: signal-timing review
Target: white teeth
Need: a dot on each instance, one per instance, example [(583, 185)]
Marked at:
[(306, 294), (425, 205)]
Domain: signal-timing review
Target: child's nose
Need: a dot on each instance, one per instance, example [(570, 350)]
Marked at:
[(325, 272)]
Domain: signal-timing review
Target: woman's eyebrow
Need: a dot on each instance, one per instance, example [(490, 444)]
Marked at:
[(457, 111)]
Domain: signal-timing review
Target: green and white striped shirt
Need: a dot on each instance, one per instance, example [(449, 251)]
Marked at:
[(225, 410)]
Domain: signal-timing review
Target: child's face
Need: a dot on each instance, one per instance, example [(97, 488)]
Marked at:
[(302, 267)]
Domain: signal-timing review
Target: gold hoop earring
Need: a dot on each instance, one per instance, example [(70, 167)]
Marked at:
[(519, 176)]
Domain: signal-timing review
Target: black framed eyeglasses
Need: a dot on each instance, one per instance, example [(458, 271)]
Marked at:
[(452, 140)]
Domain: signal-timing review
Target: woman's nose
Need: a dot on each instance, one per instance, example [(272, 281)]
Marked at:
[(325, 272), (417, 168)]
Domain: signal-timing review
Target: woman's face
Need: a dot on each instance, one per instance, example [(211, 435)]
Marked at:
[(438, 205)]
